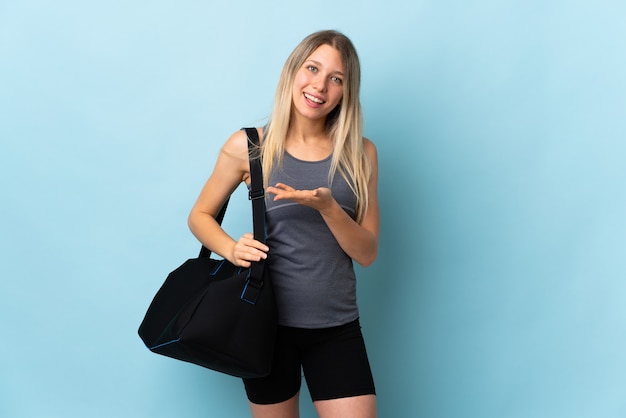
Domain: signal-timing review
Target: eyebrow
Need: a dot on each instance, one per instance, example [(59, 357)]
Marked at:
[(320, 64)]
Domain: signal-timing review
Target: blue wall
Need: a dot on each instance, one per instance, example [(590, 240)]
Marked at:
[(500, 126)]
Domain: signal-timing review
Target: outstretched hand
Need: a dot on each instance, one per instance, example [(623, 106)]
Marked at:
[(320, 198)]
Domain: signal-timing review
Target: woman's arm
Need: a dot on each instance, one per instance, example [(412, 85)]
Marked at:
[(358, 240), (232, 168)]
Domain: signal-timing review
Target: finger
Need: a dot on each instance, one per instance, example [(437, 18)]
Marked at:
[(256, 254), (279, 193), (248, 239), (250, 242), (244, 258), (243, 263), (248, 248), (285, 187)]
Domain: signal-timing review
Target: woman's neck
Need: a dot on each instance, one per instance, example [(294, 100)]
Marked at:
[(304, 128), (308, 140)]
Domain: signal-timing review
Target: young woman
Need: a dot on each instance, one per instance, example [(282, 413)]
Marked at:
[(320, 175)]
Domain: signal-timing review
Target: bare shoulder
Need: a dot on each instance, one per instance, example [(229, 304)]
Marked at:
[(370, 149), (237, 144)]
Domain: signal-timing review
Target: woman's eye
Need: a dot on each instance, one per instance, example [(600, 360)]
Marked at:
[(336, 80), (312, 68)]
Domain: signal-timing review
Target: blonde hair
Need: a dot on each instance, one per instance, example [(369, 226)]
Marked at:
[(344, 124)]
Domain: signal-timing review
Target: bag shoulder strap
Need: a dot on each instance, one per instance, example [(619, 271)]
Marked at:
[(257, 196), (257, 191)]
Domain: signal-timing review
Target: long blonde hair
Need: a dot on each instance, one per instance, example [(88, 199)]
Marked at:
[(344, 124)]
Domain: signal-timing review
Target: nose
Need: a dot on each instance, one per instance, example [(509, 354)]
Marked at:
[(320, 83)]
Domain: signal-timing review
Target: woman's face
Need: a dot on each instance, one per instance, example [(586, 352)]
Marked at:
[(318, 85)]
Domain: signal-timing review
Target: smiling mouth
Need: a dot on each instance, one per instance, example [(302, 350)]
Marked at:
[(314, 99)]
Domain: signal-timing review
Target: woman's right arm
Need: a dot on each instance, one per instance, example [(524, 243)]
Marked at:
[(232, 168)]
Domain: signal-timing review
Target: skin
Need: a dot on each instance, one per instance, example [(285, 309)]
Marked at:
[(317, 90)]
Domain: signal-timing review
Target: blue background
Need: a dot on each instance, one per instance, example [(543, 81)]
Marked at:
[(499, 289)]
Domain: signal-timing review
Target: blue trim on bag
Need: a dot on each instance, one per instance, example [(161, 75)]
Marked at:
[(244, 297), (219, 266), (250, 293), (161, 345)]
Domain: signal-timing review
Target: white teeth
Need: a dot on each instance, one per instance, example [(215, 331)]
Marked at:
[(314, 99)]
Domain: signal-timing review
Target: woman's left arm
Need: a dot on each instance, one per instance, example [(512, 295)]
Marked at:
[(358, 240)]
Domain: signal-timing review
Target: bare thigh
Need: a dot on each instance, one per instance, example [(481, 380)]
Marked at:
[(352, 407), (286, 409)]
